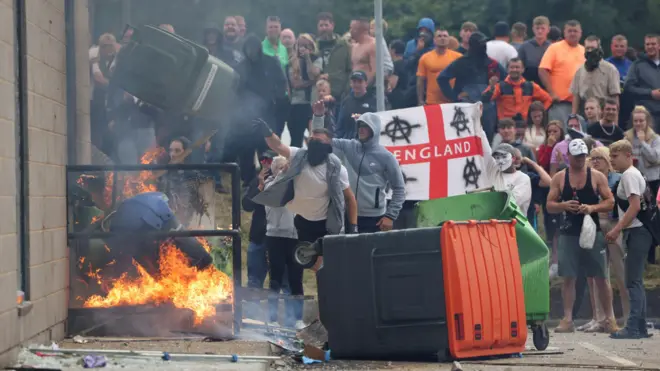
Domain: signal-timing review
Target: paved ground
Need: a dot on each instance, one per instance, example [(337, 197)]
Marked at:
[(580, 351)]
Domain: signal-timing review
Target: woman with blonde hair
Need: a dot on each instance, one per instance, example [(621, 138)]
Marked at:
[(303, 71), (646, 151), (646, 146), (599, 159)]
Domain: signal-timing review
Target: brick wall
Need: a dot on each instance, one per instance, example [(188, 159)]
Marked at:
[(47, 129)]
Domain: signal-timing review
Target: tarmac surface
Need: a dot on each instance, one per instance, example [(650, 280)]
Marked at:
[(578, 351)]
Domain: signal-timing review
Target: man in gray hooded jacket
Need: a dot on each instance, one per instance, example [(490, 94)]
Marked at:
[(372, 170)]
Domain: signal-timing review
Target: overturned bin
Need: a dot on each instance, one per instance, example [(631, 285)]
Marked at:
[(533, 252), (174, 74)]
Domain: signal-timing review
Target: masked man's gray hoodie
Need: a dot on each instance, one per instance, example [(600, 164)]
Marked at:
[(372, 170)]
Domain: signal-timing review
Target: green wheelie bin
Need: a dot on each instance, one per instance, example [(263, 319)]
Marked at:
[(532, 249)]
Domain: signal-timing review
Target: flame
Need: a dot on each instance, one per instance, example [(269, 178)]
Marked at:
[(109, 181), (95, 219), (205, 244), (144, 181), (135, 184), (178, 283)]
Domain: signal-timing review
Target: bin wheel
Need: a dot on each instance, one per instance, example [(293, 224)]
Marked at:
[(305, 254), (541, 336)]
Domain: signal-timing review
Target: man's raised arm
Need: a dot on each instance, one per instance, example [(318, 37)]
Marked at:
[(274, 143)]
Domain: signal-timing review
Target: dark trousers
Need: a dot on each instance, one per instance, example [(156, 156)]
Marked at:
[(368, 224), (637, 242), (281, 262), (309, 231), (298, 122)]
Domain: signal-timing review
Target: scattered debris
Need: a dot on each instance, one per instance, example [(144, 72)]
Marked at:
[(79, 339), (456, 366), (309, 361), (94, 361), (157, 354)]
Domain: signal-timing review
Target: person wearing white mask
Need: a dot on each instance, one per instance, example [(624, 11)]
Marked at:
[(502, 173)]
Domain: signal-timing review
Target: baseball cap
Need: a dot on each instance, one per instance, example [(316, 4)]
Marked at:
[(359, 75), (505, 148), (577, 147), (267, 155)]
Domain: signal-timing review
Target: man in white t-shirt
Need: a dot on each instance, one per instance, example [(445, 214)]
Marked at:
[(315, 187), (499, 48), (637, 240)]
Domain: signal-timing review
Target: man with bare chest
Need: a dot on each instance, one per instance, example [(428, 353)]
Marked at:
[(363, 55)]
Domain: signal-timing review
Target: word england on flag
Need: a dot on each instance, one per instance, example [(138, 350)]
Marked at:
[(438, 149)]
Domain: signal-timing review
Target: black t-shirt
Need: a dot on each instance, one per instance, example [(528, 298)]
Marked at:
[(606, 135), (397, 96)]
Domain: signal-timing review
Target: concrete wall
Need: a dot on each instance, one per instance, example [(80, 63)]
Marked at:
[(47, 129)]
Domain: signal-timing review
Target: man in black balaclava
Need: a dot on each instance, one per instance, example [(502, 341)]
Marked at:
[(597, 78), (315, 187), (473, 73)]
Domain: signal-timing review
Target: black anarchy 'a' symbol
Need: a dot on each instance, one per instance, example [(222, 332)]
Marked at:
[(399, 129), (471, 173), (459, 122), (407, 179)]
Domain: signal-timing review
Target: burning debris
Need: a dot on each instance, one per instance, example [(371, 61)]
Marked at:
[(126, 272), (178, 283)]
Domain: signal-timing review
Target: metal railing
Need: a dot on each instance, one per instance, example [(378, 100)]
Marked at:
[(74, 171)]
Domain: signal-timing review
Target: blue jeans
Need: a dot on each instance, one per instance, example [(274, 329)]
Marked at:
[(636, 243), (257, 266)]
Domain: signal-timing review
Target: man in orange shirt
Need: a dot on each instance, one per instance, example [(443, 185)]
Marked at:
[(430, 66), (514, 95), (558, 67)]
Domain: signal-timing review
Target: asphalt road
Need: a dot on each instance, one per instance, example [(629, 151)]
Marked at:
[(579, 352)]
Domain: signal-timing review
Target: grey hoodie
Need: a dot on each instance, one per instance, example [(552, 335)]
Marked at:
[(372, 171), (279, 220)]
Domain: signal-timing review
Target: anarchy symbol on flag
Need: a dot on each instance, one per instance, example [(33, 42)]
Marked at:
[(437, 146)]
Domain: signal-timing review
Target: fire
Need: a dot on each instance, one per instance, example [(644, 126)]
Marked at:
[(179, 283), (144, 181), (135, 184)]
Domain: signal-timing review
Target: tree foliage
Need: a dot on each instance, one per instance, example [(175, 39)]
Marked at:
[(604, 18)]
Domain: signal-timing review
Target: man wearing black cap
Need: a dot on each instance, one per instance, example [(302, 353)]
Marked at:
[(499, 48), (360, 100)]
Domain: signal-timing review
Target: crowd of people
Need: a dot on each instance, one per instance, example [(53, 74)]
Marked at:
[(568, 132)]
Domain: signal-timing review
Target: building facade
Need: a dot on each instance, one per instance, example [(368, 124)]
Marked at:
[(35, 130)]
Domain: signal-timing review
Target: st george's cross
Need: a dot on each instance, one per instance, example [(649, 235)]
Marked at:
[(438, 147)]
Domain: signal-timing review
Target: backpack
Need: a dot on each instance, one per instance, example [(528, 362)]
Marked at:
[(649, 214)]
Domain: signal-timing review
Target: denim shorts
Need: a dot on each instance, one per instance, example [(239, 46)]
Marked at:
[(573, 259)]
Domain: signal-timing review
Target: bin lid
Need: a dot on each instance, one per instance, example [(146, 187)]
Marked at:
[(159, 67)]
